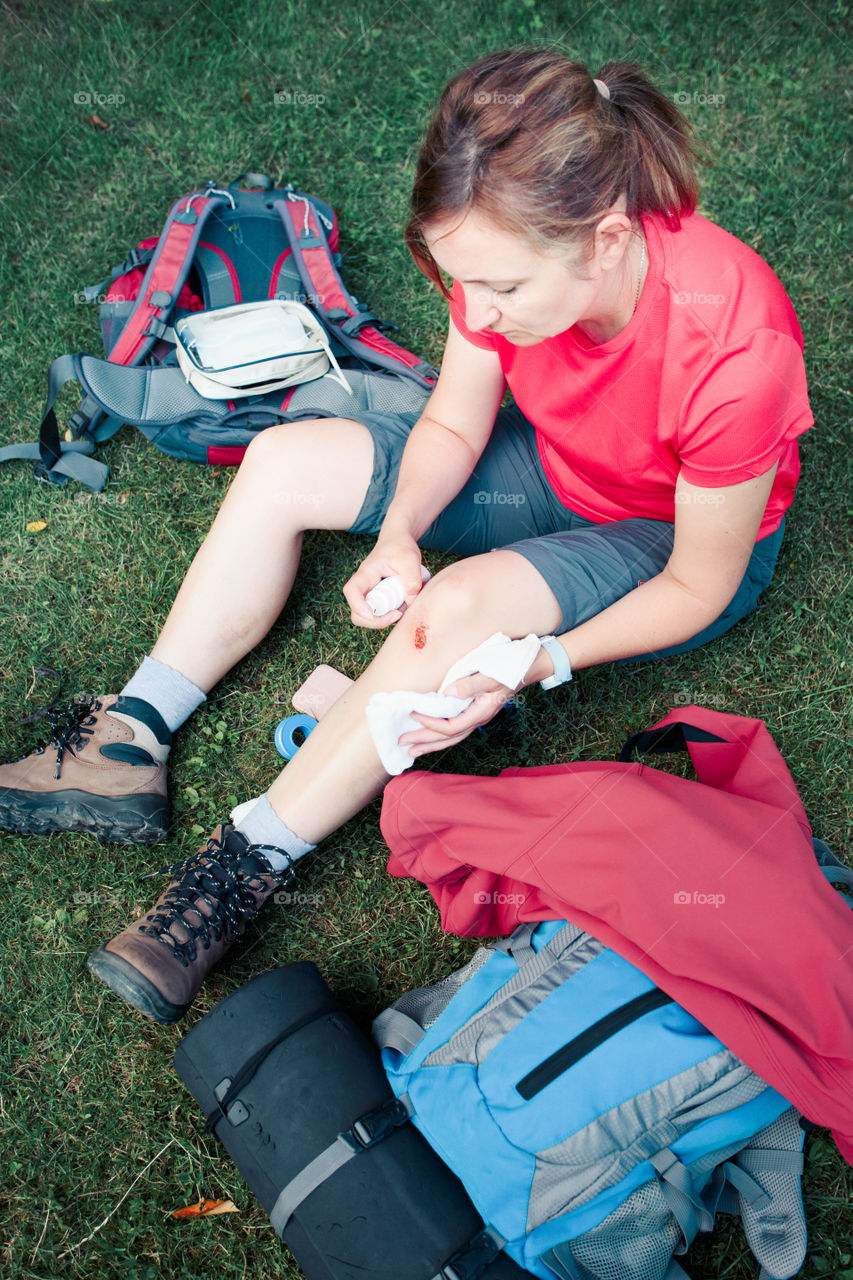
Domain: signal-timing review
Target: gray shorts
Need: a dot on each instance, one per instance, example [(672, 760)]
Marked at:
[(508, 503)]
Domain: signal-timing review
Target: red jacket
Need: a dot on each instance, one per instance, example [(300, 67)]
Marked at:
[(710, 887)]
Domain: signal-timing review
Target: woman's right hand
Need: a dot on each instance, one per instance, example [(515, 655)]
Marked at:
[(394, 553)]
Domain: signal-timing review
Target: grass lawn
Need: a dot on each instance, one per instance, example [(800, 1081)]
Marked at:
[(99, 1137)]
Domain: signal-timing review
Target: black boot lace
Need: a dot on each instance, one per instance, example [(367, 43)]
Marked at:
[(71, 727), (216, 894)]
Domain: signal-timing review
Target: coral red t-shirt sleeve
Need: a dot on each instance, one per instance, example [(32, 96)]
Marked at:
[(457, 317), (744, 410)]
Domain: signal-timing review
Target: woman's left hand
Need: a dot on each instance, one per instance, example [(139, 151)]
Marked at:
[(489, 696)]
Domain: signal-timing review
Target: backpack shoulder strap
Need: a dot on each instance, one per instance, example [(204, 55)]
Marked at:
[(357, 329), (166, 273)]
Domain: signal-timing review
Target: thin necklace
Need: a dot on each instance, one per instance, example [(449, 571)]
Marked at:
[(639, 273)]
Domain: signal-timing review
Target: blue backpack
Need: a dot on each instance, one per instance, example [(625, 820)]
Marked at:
[(596, 1125), (219, 246)]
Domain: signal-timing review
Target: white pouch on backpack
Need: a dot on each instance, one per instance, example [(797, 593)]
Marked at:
[(252, 348)]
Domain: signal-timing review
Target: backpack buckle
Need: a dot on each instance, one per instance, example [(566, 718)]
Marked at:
[(155, 328), (354, 325), (78, 424), (47, 476), (376, 1125), (471, 1260), (136, 258)]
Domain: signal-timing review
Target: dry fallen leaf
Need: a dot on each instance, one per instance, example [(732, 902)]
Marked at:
[(206, 1209), (36, 526), (96, 122)]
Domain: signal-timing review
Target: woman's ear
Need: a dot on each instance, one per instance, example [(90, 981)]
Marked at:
[(612, 237)]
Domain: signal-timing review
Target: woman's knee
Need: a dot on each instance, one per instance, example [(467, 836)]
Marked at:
[(498, 591), (457, 595)]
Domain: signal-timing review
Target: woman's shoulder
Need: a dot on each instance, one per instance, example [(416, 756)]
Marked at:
[(722, 280), (698, 235)]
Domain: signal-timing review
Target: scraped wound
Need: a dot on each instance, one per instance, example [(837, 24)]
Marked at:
[(420, 636)]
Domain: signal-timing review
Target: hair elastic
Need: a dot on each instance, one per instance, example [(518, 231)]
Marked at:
[(602, 88)]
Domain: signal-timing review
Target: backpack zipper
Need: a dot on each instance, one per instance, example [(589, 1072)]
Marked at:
[(564, 1058)]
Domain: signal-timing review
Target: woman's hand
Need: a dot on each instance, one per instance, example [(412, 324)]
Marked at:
[(395, 553), (489, 696)]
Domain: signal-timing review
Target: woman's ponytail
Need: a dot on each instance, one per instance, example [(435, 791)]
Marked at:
[(661, 176)]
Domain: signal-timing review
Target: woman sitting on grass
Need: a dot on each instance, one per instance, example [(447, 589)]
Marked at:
[(628, 502)]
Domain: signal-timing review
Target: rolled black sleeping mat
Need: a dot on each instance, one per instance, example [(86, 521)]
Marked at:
[(297, 1094)]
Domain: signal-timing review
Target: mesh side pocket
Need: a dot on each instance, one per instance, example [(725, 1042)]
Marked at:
[(390, 393), (776, 1233), (636, 1242), (114, 316), (425, 1005)]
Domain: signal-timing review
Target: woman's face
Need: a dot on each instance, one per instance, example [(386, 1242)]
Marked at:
[(514, 289)]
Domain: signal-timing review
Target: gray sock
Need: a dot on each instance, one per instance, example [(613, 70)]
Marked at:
[(262, 825), (173, 695)]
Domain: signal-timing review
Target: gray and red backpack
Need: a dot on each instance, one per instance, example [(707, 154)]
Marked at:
[(220, 246)]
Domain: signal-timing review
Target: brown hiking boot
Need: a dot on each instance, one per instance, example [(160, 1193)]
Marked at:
[(158, 963), (106, 774)]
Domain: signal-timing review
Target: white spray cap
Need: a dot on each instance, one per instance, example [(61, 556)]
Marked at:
[(389, 593)]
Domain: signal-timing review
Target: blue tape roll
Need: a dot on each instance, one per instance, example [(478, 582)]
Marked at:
[(285, 740)]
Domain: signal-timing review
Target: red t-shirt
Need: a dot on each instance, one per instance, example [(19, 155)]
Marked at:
[(706, 379)]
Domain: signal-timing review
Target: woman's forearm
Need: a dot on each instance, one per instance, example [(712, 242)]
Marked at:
[(435, 465), (660, 613)]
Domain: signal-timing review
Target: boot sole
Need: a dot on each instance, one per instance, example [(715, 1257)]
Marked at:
[(134, 987), (108, 819)]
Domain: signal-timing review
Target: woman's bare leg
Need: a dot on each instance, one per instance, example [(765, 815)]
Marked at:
[(337, 770), (297, 476)]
